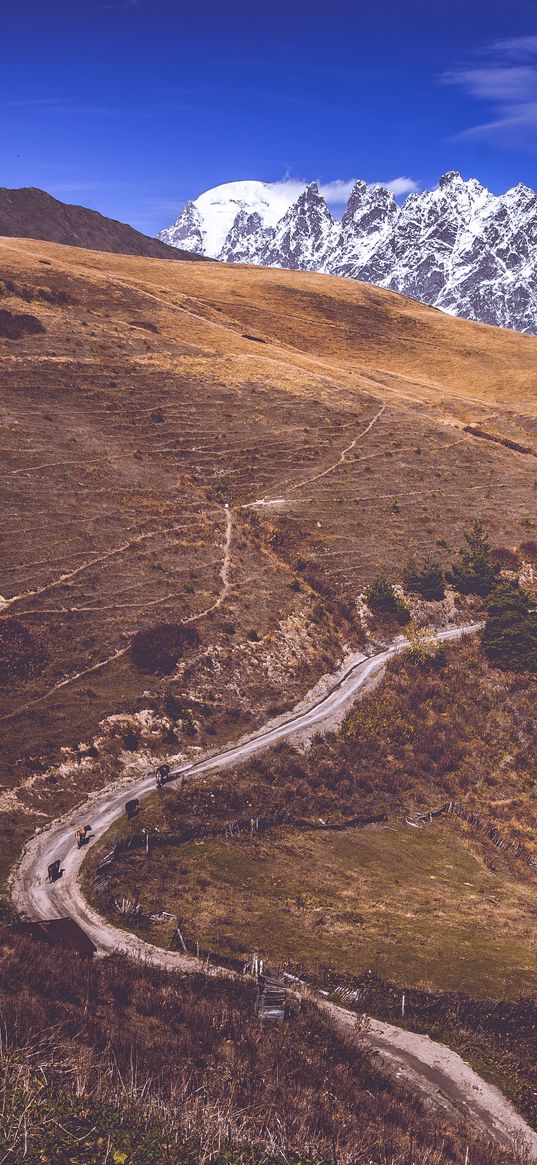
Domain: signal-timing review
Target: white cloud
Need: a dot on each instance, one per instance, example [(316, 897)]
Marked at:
[(400, 185), (338, 190), (497, 83), (516, 47)]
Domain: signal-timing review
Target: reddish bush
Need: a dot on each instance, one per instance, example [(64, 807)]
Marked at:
[(506, 558), (157, 649), (13, 325), (20, 655), (529, 550)]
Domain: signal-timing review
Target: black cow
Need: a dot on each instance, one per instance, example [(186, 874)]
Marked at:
[(54, 871), (132, 807), (163, 773)]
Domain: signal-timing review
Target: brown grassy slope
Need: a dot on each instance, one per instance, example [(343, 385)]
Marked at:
[(389, 897), (156, 1068), (143, 407)]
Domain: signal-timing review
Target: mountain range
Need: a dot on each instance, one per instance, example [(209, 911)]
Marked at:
[(458, 247)]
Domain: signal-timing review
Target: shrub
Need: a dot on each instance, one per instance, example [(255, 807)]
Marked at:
[(130, 741), (427, 580), (474, 572), (529, 550), (424, 649), (14, 325), (510, 634), (157, 649), (382, 597), (20, 655), (252, 636), (505, 558)]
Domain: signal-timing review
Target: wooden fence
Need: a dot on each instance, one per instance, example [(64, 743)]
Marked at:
[(511, 848), (271, 997), (143, 839)]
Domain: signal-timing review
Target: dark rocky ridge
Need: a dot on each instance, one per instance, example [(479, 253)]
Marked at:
[(31, 213)]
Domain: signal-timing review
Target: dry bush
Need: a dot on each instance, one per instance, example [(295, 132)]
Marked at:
[(157, 650), (14, 325), (184, 1067), (529, 550), (21, 656), (506, 558)]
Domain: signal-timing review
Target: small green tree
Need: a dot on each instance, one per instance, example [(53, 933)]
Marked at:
[(474, 572), (382, 597), (510, 634), (424, 649), (426, 580)]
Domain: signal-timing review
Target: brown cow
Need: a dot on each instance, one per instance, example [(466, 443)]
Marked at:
[(81, 836)]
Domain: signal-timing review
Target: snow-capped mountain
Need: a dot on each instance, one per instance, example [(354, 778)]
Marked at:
[(207, 222), (458, 247)]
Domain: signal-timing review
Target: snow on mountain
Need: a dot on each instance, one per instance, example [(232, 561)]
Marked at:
[(304, 236), (213, 214), (367, 221), (457, 247)]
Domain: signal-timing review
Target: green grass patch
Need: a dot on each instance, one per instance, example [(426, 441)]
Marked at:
[(416, 906)]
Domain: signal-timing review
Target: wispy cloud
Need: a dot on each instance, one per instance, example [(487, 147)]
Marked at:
[(79, 187), (120, 5), (33, 103), (504, 74), (337, 190), (401, 185), (517, 48), (66, 105)]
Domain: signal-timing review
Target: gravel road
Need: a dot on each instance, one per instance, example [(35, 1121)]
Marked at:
[(444, 1080)]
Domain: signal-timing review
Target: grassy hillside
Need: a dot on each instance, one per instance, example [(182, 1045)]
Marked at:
[(225, 458), (110, 1062), (141, 398), (389, 896)]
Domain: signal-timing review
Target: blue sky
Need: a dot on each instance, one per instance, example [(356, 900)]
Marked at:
[(134, 106)]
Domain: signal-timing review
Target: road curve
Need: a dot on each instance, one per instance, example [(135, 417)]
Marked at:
[(439, 1074)]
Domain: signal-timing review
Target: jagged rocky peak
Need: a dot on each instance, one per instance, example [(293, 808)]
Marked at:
[(186, 231), (450, 178), (368, 209), (303, 237), (457, 246), (246, 239), (368, 205)]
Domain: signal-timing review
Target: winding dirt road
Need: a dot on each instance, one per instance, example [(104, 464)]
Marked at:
[(443, 1079)]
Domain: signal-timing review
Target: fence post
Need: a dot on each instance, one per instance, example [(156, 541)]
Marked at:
[(181, 939)]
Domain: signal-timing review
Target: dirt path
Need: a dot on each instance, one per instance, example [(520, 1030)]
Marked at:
[(323, 472), (443, 1079), (224, 571), (224, 575)]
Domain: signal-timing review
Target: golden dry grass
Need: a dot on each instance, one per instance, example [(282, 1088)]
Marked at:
[(158, 392)]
